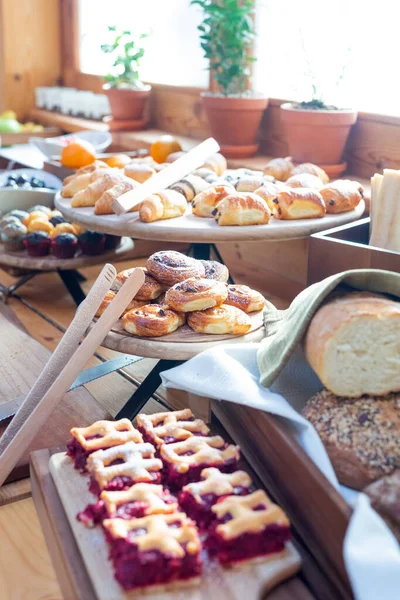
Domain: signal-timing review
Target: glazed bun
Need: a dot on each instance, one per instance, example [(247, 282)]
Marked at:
[(170, 267), (220, 320), (245, 298), (196, 294), (150, 290), (152, 320), (215, 270), (109, 297)]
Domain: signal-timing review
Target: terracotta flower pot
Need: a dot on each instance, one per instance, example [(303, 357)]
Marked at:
[(317, 136), (234, 122), (127, 104)]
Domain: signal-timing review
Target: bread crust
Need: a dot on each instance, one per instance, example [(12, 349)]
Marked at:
[(152, 320), (341, 196), (245, 298), (196, 293), (170, 267), (222, 319), (299, 203), (337, 313), (361, 436)]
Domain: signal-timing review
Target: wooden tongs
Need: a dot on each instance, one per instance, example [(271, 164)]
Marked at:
[(65, 364)]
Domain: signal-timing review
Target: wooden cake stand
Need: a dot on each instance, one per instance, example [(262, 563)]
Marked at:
[(27, 267), (171, 350)]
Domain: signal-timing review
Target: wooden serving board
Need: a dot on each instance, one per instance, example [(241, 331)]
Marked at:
[(50, 263), (182, 344), (252, 581), (196, 229)]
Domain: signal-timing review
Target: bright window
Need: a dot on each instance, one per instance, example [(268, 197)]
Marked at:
[(173, 54), (348, 48)]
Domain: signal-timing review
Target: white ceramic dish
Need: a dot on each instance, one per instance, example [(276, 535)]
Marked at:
[(51, 147), (23, 199)]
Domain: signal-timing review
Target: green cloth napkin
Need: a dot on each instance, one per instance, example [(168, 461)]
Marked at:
[(285, 328)]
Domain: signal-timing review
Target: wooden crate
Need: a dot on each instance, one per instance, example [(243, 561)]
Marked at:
[(346, 247)]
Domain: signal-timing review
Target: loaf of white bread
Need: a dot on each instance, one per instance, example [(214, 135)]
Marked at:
[(385, 210), (353, 345)]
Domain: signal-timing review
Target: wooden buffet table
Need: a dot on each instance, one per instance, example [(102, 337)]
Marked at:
[(33, 325)]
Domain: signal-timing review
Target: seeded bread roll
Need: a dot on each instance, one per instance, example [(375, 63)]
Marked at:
[(361, 436), (385, 499), (353, 345)]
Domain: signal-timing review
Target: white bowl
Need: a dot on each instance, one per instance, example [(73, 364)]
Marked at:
[(51, 147), (23, 199)]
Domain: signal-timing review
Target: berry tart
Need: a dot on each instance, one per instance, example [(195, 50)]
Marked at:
[(154, 550), (37, 243), (247, 527), (196, 499), (92, 243), (99, 436), (119, 467), (170, 427), (64, 245), (184, 461), (140, 500)]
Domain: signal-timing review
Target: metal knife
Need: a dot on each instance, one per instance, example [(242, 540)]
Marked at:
[(8, 409)]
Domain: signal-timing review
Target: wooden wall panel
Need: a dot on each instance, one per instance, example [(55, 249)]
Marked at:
[(30, 56)]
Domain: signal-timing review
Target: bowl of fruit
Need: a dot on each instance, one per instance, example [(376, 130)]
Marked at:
[(22, 188), (53, 147)]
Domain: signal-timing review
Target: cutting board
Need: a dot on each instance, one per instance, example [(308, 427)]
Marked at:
[(252, 581)]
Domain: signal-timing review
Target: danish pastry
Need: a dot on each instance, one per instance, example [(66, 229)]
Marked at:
[(196, 293), (206, 174), (168, 204), (249, 183), (190, 186), (220, 320), (279, 168), (104, 204), (97, 164), (299, 203), (305, 180), (215, 270), (341, 196), (140, 172), (170, 267), (109, 297), (245, 298), (90, 195), (80, 182), (216, 163), (152, 320), (312, 170), (269, 191), (204, 203), (242, 209), (150, 290)]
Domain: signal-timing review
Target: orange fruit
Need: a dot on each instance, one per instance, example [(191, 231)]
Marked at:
[(118, 160), (77, 154), (163, 147)]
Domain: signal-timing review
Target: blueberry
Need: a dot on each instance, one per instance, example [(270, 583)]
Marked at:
[(26, 186), (37, 183), (12, 178), (57, 219), (21, 179)]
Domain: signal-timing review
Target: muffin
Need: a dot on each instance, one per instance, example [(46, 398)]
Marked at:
[(112, 241), (12, 236), (92, 243), (40, 208), (64, 245), (37, 243), (19, 214), (6, 220)]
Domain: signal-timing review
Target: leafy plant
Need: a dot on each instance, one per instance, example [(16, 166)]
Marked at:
[(227, 33), (127, 52)]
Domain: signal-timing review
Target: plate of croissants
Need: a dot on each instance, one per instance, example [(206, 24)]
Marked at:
[(186, 303), (213, 203)]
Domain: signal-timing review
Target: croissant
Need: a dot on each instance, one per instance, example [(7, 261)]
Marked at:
[(163, 205), (242, 209), (90, 195), (299, 203), (305, 180), (189, 186), (342, 195), (279, 168), (104, 204), (269, 191), (206, 174), (312, 170), (80, 182), (140, 172), (204, 203), (249, 183), (97, 164), (216, 163)]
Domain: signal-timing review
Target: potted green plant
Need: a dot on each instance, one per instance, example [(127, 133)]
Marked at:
[(226, 37), (126, 93), (317, 132)]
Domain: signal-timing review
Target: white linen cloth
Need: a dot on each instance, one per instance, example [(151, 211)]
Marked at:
[(230, 373)]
